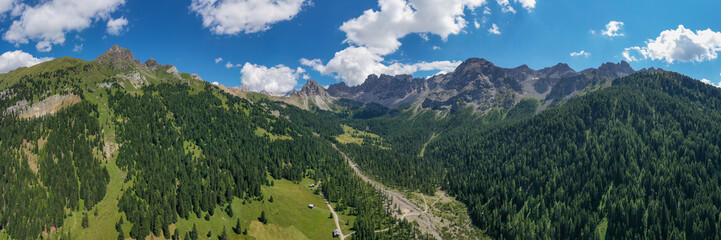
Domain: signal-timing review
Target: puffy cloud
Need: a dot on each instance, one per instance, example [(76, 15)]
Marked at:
[(276, 79), (506, 6), (78, 48), (116, 26), (486, 10), (12, 60), (581, 53), (380, 30), (494, 30), (6, 5), (476, 24), (49, 21), (218, 60), (613, 29), (248, 16), (706, 81), (681, 45), (376, 33), (528, 4), (230, 65), (354, 64)]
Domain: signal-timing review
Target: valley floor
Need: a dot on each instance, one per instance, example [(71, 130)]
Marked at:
[(444, 218)]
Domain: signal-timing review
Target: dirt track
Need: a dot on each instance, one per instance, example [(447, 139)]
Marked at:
[(409, 211)]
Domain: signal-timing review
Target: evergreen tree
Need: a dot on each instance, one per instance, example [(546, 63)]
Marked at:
[(223, 235), (85, 222), (194, 233), (262, 217), (237, 229)]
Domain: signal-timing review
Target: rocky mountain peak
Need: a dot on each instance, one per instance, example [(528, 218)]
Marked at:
[(561, 67), (560, 70), (474, 63), (622, 67), (337, 88), (117, 58), (312, 88), (152, 63)]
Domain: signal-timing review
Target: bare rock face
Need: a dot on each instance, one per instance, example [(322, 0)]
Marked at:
[(152, 64), (312, 88), (173, 70), (135, 78), (118, 59), (480, 84), (241, 88), (196, 76)]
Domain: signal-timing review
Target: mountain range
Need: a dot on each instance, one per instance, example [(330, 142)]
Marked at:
[(119, 148), (476, 83)]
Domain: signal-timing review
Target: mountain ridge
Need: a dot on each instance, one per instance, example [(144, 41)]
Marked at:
[(480, 84)]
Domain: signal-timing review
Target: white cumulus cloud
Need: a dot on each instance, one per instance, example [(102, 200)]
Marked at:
[(218, 60), (706, 81), (48, 21), (354, 64), (380, 30), (116, 26), (613, 29), (506, 6), (581, 53), (228, 17), (6, 5), (528, 4), (230, 65), (679, 44), (376, 33), (494, 29), (276, 79), (12, 60)]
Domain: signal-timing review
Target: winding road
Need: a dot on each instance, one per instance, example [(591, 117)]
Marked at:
[(335, 217), (409, 211)]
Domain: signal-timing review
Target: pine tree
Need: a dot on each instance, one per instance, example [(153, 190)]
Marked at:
[(229, 210), (262, 217), (194, 233), (237, 229), (224, 235), (85, 222)]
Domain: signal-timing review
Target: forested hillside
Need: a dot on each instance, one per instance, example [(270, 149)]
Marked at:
[(154, 152), (178, 149), (639, 159)]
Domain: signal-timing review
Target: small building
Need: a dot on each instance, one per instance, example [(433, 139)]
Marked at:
[(312, 185), (336, 233), (311, 206)]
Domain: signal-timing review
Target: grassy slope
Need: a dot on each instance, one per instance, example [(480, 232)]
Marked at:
[(288, 215), (351, 135)]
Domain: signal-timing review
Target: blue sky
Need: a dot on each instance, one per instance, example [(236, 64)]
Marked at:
[(306, 37)]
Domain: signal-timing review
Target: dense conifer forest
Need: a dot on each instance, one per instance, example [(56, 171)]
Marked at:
[(639, 159), (636, 159), (185, 150)]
